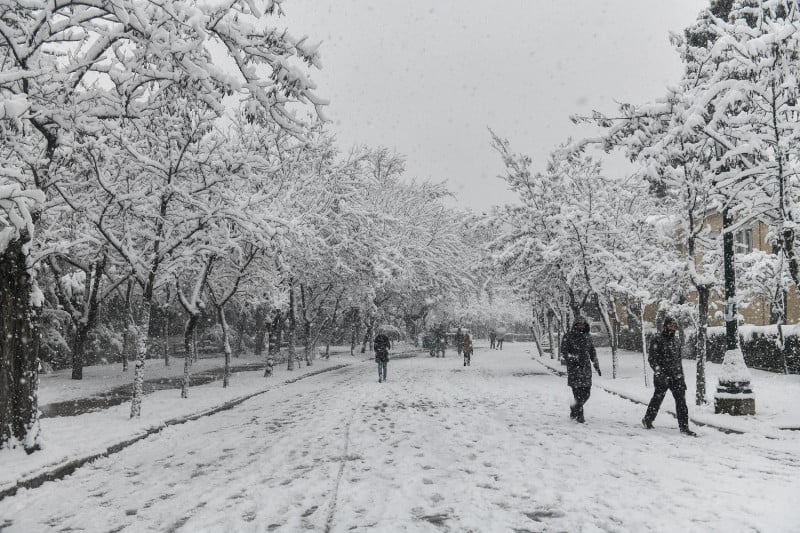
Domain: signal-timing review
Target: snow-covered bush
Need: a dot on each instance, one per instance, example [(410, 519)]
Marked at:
[(54, 349), (761, 347)]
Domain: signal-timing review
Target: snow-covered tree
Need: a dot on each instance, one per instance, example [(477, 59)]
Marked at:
[(71, 67), (20, 299)]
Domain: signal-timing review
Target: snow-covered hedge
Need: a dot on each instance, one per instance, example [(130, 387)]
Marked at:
[(760, 346)]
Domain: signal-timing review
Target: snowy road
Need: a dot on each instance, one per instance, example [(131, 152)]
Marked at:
[(439, 447)]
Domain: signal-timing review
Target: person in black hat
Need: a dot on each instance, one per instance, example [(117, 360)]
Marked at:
[(665, 358), (579, 353)]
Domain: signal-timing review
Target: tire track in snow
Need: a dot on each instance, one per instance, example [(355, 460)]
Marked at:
[(342, 464)]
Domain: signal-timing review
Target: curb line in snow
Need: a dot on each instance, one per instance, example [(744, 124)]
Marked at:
[(561, 373), (59, 471)]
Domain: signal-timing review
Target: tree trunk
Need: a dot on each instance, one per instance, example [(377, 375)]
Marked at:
[(535, 334), (241, 320), (78, 348), (308, 346), (88, 318), (609, 323), (19, 350), (166, 337), (194, 345), (292, 327), (316, 338), (226, 345), (127, 347), (558, 345), (130, 333), (188, 335), (262, 328), (142, 345), (370, 324), (354, 332), (550, 334), (700, 343), (644, 342), (276, 333)]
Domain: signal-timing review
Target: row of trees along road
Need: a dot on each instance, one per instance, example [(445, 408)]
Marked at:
[(154, 158), (722, 140)]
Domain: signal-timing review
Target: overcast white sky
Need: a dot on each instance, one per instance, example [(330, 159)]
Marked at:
[(427, 77)]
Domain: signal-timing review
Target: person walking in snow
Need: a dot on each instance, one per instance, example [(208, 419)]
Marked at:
[(441, 344), (459, 339), (501, 336), (381, 346), (492, 337), (467, 348), (579, 353), (664, 356)]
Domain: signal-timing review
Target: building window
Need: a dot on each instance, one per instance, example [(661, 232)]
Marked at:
[(744, 241)]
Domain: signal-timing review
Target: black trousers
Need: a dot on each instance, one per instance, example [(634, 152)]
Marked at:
[(678, 390), (382, 370), (581, 395), (467, 356)]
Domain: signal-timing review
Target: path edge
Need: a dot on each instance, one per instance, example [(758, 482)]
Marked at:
[(60, 470)]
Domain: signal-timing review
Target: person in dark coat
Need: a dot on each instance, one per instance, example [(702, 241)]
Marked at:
[(501, 336), (492, 337), (441, 344), (665, 359), (467, 348), (459, 339), (579, 353), (381, 346)]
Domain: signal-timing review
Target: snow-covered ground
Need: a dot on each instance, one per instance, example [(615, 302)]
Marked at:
[(440, 447)]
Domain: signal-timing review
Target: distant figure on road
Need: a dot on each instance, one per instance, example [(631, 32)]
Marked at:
[(579, 353), (492, 338), (459, 340), (501, 335), (381, 347), (441, 343), (665, 358), (467, 348)]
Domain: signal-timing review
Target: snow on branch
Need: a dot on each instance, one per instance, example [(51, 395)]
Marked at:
[(16, 208)]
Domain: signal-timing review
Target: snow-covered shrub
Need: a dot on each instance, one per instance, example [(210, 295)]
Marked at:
[(760, 346), (54, 349), (105, 345)]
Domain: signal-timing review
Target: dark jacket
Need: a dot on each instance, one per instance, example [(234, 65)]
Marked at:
[(381, 347), (466, 344), (665, 359), (579, 353)]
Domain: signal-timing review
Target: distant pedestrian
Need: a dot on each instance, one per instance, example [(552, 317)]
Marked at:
[(381, 346), (501, 336), (492, 339), (467, 348), (579, 354), (441, 343), (459, 339), (665, 359)]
